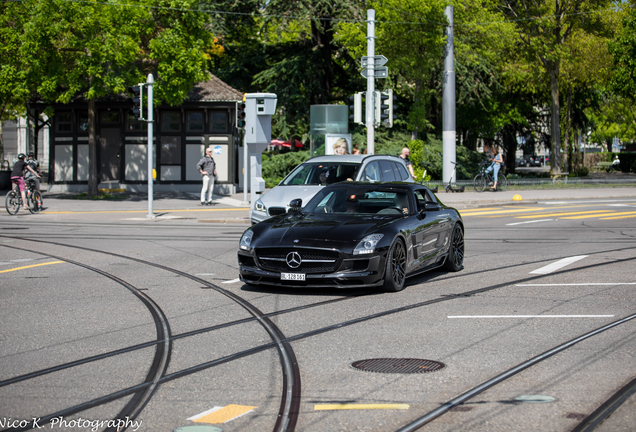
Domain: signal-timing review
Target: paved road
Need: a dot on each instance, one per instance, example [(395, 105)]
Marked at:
[(99, 300), (182, 208)]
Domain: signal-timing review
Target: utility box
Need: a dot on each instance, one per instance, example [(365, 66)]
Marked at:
[(259, 107)]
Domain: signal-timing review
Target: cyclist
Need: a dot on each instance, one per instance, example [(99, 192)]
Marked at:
[(497, 159), (28, 176), (17, 176)]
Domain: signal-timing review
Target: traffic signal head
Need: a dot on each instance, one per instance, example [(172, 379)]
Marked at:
[(380, 107), (390, 101), (240, 115), (135, 100), (356, 108)]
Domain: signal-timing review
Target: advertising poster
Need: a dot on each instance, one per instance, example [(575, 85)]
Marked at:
[(337, 144)]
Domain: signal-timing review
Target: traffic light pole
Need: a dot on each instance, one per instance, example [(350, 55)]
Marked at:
[(369, 114), (149, 82)]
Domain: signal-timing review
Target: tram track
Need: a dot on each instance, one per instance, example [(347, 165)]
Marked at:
[(287, 340), (290, 401), (159, 366)]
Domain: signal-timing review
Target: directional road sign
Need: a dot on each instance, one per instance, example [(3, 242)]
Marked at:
[(379, 72), (380, 60)]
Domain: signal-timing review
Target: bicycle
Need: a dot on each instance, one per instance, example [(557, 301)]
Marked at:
[(485, 178), (13, 200)]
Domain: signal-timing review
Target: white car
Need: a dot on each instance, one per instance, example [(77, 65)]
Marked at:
[(305, 180)]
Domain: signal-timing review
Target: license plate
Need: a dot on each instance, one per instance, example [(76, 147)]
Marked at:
[(292, 276)]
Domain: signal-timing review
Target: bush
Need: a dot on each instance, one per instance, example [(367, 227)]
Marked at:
[(581, 171), (277, 166)]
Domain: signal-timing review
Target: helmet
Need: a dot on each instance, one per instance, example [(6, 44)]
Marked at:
[(21, 156), (30, 154)]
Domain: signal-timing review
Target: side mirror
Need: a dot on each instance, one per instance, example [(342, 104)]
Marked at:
[(295, 205), (430, 206)]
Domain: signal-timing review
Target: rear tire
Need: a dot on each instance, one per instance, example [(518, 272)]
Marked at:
[(35, 201), (479, 183), (12, 202), (455, 259), (395, 269)]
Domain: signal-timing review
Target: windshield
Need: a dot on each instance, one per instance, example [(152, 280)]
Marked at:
[(355, 199), (321, 173)]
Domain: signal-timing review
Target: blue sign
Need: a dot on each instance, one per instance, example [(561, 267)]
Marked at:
[(218, 150)]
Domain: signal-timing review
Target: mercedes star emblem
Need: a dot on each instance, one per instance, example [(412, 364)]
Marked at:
[(293, 259)]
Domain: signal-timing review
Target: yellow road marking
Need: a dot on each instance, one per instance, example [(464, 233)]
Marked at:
[(224, 414), (619, 217), (599, 215), (479, 209), (511, 211), (329, 407), (32, 265), (142, 211), (592, 212)]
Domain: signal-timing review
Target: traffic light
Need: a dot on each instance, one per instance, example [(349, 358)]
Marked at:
[(380, 107), (390, 101), (356, 108), (136, 101), (240, 115)]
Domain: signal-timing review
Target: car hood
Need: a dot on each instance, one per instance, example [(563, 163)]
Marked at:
[(280, 196), (308, 231)]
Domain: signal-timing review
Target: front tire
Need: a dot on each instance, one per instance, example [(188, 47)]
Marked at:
[(395, 271), (455, 259)]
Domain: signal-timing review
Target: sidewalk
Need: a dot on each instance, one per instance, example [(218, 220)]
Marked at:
[(182, 207)]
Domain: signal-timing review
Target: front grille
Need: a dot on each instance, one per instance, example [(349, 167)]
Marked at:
[(313, 261), (275, 211)]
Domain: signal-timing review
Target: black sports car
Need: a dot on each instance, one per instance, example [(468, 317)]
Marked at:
[(352, 235)]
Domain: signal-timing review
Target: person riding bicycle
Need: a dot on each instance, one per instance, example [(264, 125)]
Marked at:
[(29, 176), (497, 160), (17, 176)]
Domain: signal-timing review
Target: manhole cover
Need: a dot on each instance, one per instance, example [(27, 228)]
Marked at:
[(398, 365)]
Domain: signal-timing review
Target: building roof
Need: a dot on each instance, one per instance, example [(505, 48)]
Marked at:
[(213, 90)]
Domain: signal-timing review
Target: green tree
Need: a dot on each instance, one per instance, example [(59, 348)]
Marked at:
[(91, 50), (13, 89), (545, 28), (623, 51)]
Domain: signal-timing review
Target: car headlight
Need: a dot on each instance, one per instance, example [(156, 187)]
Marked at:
[(259, 206), (367, 245), (246, 240)]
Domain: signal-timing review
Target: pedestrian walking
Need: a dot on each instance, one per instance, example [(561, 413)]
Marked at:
[(207, 168)]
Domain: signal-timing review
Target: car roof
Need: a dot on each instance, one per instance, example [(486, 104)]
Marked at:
[(348, 158)]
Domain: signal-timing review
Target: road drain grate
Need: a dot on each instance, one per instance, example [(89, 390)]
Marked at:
[(398, 365)]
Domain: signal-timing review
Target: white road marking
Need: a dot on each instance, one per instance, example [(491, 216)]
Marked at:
[(557, 265), (581, 284), (204, 413), (540, 220), (22, 260), (529, 316), (232, 281), (204, 274)]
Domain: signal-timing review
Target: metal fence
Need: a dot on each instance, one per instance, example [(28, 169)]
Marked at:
[(546, 183)]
